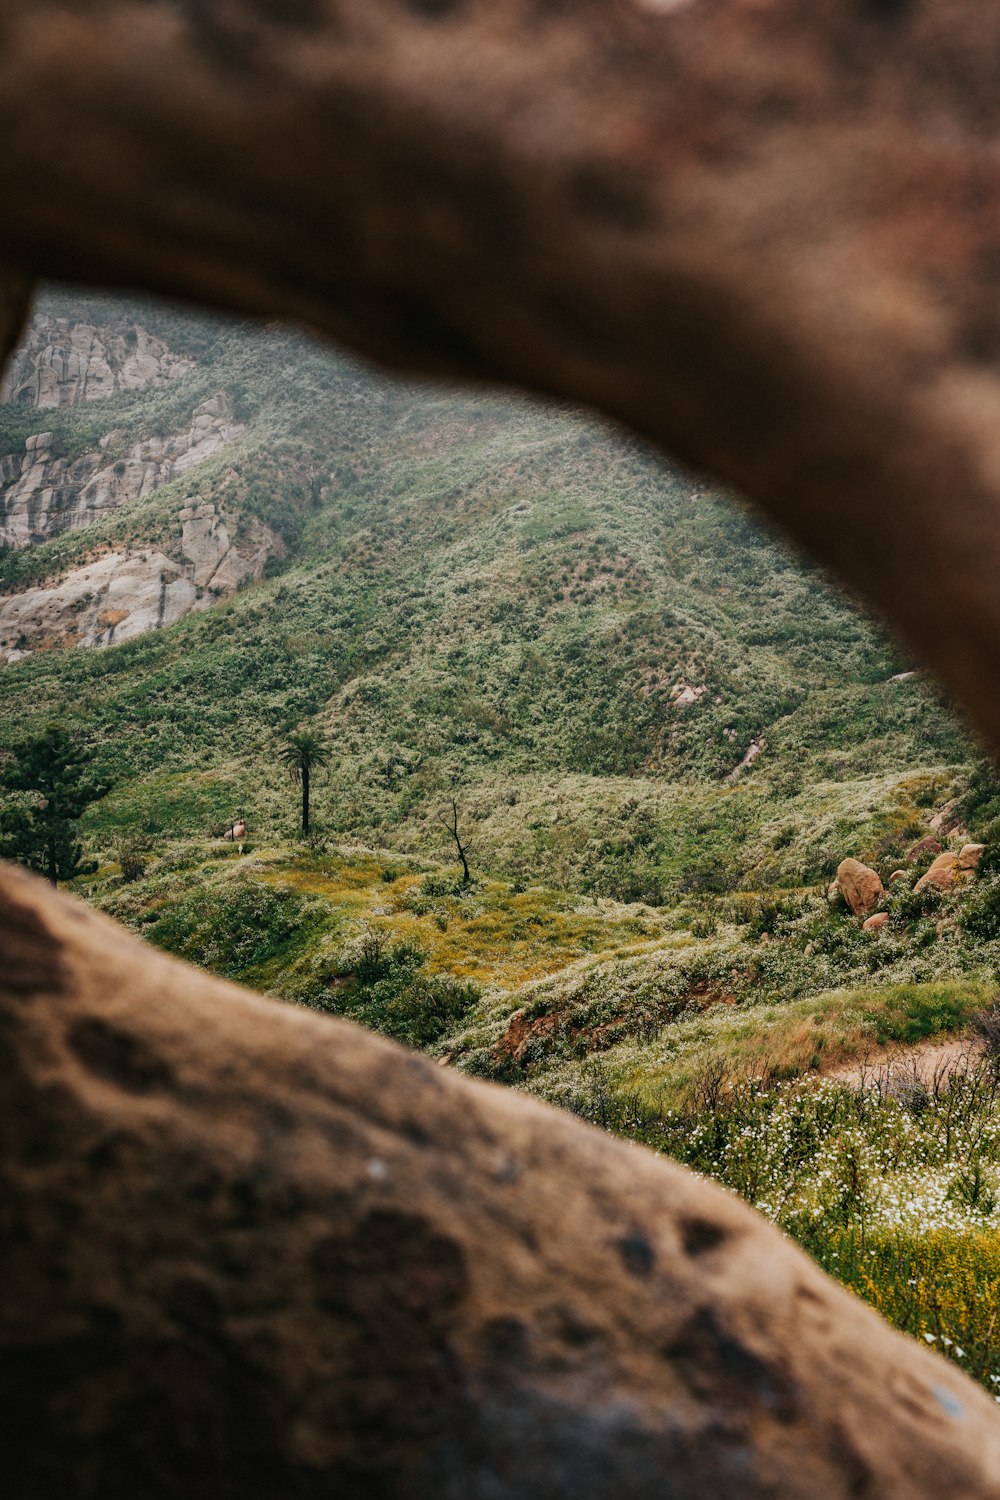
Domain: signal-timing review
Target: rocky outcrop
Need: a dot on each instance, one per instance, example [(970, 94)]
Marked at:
[(860, 886), (684, 694), (43, 495), (123, 594), (754, 750), (950, 869), (62, 363), (921, 849), (252, 1251), (942, 874), (875, 923), (947, 819), (219, 565)]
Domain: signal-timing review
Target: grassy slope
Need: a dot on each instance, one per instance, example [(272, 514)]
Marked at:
[(492, 599)]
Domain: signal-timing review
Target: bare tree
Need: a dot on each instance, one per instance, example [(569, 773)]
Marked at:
[(463, 849)]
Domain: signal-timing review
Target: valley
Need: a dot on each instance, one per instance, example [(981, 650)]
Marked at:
[(662, 731)]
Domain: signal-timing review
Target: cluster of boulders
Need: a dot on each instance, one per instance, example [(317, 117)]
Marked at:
[(862, 889)]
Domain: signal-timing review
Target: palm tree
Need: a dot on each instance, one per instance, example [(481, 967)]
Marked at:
[(303, 752)]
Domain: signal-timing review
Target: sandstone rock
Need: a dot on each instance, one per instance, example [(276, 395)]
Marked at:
[(62, 363), (860, 886), (922, 848), (970, 855), (236, 833), (897, 875), (42, 496), (943, 873), (253, 1251), (124, 594), (946, 820), (875, 923)]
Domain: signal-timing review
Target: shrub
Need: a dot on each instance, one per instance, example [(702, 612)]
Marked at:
[(980, 913), (390, 991), (131, 849)]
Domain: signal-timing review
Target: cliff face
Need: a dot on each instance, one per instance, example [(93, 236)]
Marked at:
[(64, 363), (116, 592), (42, 495), (122, 594)]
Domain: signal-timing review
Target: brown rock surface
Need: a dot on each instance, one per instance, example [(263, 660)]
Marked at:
[(897, 875), (762, 234), (943, 873), (860, 886), (253, 1252), (875, 923), (766, 235), (970, 855), (922, 848)]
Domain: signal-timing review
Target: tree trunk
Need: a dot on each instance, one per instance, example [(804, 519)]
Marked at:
[(250, 1251), (305, 801)]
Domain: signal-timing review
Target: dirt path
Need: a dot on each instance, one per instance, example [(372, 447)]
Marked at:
[(928, 1062)]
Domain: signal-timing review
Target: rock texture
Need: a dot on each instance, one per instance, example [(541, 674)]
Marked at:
[(764, 234), (251, 1251), (62, 363), (943, 873), (860, 886), (970, 855), (121, 594), (42, 495), (245, 1258), (875, 923)]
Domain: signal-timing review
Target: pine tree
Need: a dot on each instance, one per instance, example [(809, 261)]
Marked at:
[(41, 832)]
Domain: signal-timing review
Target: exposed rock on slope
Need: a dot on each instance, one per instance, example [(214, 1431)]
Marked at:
[(458, 1293), (42, 495), (860, 886), (64, 363), (124, 594)]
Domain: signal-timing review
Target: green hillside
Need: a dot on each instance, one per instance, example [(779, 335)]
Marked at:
[(485, 596), (662, 730)]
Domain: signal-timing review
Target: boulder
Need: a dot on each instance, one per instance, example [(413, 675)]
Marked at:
[(970, 855), (860, 886), (254, 1251), (923, 847), (942, 873), (876, 922), (897, 875)]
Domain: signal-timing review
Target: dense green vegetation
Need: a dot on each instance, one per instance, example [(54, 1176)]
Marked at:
[(499, 616)]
